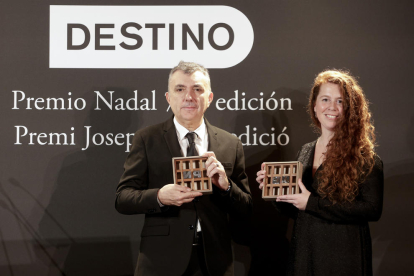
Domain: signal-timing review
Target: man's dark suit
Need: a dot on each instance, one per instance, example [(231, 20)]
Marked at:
[(168, 232)]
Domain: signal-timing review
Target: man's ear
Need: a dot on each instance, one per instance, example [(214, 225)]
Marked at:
[(167, 96), (210, 98)]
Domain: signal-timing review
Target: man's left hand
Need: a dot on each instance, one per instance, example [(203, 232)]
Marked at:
[(215, 171)]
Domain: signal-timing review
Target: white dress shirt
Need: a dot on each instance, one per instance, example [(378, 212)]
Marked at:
[(201, 142)]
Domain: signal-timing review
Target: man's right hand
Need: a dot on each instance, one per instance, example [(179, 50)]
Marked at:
[(173, 194)]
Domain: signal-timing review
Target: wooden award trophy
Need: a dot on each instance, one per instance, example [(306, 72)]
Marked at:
[(281, 179), (192, 172)]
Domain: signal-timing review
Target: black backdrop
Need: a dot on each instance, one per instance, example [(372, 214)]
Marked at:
[(57, 201)]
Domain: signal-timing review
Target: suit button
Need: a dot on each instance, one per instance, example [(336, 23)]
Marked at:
[(196, 199), (191, 227)]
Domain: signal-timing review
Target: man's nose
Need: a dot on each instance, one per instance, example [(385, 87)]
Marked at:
[(189, 96)]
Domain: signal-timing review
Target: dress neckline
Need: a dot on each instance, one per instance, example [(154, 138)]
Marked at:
[(312, 160)]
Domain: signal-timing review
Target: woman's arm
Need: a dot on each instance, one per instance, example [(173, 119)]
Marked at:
[(366, 207)]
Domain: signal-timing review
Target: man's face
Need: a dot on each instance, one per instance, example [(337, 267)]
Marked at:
[(189, 96)]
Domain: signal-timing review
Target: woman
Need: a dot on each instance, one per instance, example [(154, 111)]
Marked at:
[(342, 188)]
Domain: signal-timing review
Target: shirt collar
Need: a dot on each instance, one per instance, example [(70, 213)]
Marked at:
[(182, 131)]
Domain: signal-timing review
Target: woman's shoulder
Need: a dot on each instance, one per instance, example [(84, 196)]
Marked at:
[(378, 162), (309, 146), (377, 166), (306, 151)]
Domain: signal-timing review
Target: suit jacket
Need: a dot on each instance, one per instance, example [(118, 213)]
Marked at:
[(168, 232)]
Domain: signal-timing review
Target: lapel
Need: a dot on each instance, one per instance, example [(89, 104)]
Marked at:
[(310, 155), (213, 143), (170, 136), (306, 156), (307, 162)]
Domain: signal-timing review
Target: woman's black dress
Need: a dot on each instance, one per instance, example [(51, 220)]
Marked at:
[(333, 239)]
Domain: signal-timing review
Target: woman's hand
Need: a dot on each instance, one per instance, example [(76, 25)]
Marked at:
[(260, 176), (299, 201)]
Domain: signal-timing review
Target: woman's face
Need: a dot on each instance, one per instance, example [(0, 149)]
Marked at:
[(328, 106)]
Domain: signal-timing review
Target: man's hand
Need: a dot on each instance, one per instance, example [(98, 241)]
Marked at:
[(173, 194), (215, 171)]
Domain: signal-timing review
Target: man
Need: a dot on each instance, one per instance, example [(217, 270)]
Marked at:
[(184, 232)]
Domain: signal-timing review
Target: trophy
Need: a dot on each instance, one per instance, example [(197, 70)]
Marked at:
[(191, 172), (281, 178)]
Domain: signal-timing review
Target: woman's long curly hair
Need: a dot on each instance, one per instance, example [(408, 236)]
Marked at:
[(350, 152)]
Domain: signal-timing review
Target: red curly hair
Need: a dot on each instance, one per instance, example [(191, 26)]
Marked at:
[(350, 152)]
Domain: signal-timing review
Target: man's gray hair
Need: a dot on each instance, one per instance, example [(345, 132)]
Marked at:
[(189, 68)]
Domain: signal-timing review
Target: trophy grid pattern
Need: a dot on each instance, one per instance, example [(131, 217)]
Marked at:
[(281, 179), (191, 172)]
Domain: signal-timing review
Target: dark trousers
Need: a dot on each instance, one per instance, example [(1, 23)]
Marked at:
[(197, 264)]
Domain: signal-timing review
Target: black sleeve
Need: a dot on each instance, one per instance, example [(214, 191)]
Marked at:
[(240, 202), (366, 207), (132, 194)]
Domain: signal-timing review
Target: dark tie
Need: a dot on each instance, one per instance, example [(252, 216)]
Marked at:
[(191, 150)]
